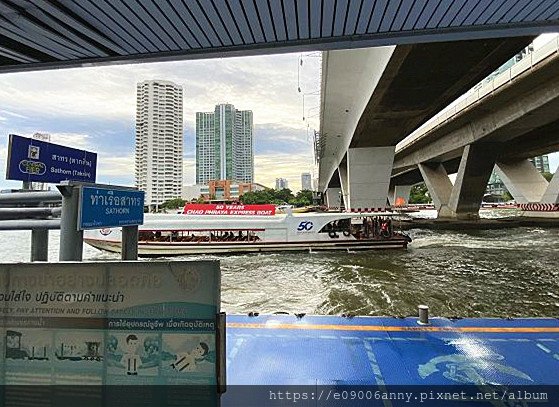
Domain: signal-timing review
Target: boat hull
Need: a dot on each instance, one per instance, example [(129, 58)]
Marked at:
[(154, 249)]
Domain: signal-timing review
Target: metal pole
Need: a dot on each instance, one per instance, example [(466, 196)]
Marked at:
[(71, 239), (129, 244), (39, 245), (423, 315), (221, 352)]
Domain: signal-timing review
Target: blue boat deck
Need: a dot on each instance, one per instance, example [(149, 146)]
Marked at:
[(332, 351)]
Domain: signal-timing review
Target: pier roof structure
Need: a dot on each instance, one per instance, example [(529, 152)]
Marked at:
[(41, 34)]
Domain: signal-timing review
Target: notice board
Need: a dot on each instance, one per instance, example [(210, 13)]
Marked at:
[(103, 328)]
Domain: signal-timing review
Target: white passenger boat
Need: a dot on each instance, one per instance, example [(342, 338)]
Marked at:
[(254, 228)]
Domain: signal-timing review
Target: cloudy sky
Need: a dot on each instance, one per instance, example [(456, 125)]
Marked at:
[(94, 109)]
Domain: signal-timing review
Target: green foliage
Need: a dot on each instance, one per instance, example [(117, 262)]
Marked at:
[(173, 204), (281, 197), (547, 175), (507, 196), (303, 198), (419, 194)]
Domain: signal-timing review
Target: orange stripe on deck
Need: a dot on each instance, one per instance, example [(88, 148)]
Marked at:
[(379, 328)]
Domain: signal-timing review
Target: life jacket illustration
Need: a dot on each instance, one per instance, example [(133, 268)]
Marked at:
[(184, 362)]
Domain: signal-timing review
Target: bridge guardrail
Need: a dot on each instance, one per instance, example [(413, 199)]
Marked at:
[(527, 63)]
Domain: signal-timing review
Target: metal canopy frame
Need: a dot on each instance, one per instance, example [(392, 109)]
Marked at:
[(46, 34)]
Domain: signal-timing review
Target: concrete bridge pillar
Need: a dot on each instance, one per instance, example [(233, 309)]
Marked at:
[(551, 194), (333, 197), (368, 172), (400, 195), (463, 199), (523, 180), (342, 172), (391, 191), (439, 186), (475, 169)]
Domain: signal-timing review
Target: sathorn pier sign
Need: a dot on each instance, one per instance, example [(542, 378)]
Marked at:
[(102, 207), (34, 160)]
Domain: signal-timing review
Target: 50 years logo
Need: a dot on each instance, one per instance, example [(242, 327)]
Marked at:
[(305, 226)]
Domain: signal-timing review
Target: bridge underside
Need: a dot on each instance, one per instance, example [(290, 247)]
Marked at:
[(516, 122), (374, 98)]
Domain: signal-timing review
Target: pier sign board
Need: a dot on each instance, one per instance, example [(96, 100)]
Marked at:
[(34, 160), (99, 327), (227, 209), (110, 207)]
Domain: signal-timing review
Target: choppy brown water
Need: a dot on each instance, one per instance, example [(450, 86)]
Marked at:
[(511, 272)]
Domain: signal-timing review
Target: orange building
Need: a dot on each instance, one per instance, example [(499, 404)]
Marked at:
[(227, 190)]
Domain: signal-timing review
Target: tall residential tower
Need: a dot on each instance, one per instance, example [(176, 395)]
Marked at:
[(159, 141), (306, 181), (224, 145)]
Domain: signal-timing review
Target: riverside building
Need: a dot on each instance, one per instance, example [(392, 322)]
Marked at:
[(159, 141), (224, 145)]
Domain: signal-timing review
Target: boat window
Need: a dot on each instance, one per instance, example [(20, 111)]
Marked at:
[(213, 236), (336, 226), (369, 227)]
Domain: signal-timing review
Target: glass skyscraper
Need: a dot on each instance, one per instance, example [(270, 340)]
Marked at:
[(224, 145), (541, 162)]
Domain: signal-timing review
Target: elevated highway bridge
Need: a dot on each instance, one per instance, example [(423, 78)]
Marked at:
[(502, 123)]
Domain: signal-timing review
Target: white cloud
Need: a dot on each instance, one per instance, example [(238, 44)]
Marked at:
[(268, 167), (553, 162), (189, 171), (267, 85), (75, 140), (13, 114), (116, 166)]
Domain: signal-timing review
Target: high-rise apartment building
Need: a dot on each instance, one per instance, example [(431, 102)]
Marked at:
[(496, 186), (224, 145), (541, 162), (306, 181), (281, 183), (159, 141)]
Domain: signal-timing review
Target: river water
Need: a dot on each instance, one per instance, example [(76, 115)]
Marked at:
[(500, 273)]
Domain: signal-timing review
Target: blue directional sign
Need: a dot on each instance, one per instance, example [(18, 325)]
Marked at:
[(41, 161), (107, 207)]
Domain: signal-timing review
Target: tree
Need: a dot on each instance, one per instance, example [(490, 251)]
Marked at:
[(302, 198), (272, 196), (173, 203), (507, 196), (419, 194), (258, 197), (547, 175), (284, 195)]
